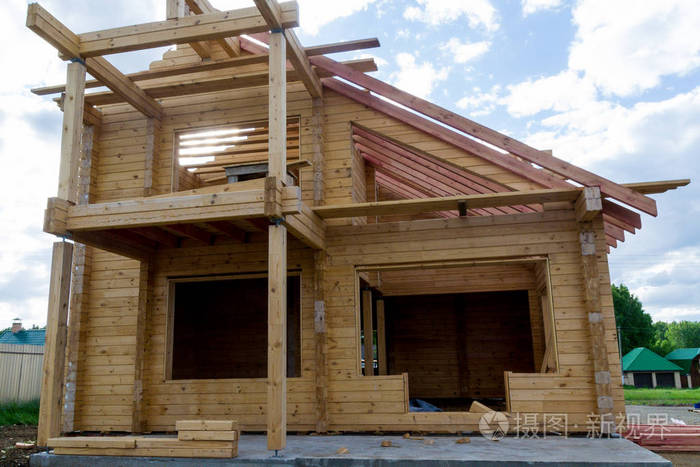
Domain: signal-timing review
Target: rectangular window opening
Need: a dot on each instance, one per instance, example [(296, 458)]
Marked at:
[(201, 155), (219, 327), (456, 329)]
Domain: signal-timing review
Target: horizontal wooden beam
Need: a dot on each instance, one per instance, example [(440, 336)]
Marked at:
[(53, 31), (230, 45), (346, 46), (657, 187), (450, 203), (308, 227), (146, 212), (211, 85), (530, 154)]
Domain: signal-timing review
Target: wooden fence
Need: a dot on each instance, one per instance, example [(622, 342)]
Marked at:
[(20, 372)]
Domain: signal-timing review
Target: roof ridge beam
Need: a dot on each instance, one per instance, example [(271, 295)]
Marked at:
[(559, 166)]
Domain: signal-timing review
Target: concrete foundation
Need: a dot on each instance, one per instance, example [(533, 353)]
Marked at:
[(320, 451)]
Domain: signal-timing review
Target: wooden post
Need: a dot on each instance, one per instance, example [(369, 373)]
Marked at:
[(317, 142), (277, 255), (51, 406), (175, 9), (72, 132), (596, 325), (320, 343), (152, 149), (381, 338), (368, 331), (137, 421)]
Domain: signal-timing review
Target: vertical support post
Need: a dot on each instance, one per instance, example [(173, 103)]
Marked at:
[(137, 422), (51, 406), (72, 132), (175, 9), (368, 332), (320, 343), (317, 142), (381, 338), (277, 255), (596, 326), (81, 269), (152, 149)]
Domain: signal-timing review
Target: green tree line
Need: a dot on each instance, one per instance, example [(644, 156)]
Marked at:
[(636, 328)]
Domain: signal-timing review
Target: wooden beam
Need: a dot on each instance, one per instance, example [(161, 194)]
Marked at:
[(240, 81), (122, 86), (338, 47), (596, 327), (53, 31), (153, 129), (51, 406), (449, 203), (113, 242), (72, 133), (620, 212), (561, 167), (589, 204), (381, 338), (657, 187), (368, 332), (191, 231), (318, 141), (138, 406), (209, 26), (277, 253), (159, 236), (174, 9), (231, 45), (320, 343)]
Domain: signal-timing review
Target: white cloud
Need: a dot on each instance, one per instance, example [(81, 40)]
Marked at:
[(626, 46), (313, 14), (417, 79), (533, 6), (480, 103), (561, 92), (479, 13), (462, 52)]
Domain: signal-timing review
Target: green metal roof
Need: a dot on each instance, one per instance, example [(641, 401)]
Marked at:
[(24, 337), (684, 357), (643, 359)]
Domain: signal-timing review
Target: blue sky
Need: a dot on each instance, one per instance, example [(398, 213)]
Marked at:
[(611, 86)]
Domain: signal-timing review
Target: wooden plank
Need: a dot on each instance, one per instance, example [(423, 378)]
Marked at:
[(368, 331), (51, 406), (561, 167), (381, 338), (277, 108), (206, 425), (72, 131), (209, 26), (100, 442), (589, 204), (596, 327), (122, 86), (320, 343), (416, 206), (346, 46), (277, 339), (317, 147), (200, 435), (53, 31), (137, 408), (656, 187), (153, 130)]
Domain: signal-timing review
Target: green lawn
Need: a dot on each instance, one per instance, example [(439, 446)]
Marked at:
[(23, 413), (659, 396)]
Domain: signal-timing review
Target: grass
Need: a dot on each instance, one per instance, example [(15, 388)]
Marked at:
[(19, 413), (662, 396)]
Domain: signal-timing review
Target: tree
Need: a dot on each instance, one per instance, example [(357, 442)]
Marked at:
[(661, 345), (635, 325), (684, 334)]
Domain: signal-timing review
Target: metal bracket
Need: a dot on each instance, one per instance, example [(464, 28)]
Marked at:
[(276, 221), (78, 60)]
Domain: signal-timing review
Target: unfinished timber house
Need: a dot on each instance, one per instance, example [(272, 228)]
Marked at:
[(263, 234)]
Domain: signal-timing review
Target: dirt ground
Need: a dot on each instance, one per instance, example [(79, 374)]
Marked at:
[(9, 435)]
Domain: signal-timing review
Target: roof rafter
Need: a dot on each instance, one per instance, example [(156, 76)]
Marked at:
[(559, 166), (272, 13), (230, 45)]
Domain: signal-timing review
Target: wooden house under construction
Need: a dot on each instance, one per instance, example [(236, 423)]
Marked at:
[(263, 234)]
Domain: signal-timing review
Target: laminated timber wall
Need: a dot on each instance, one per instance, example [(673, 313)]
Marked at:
[(107, 344)]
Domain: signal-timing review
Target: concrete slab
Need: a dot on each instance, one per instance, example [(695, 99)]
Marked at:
[(320, 451)]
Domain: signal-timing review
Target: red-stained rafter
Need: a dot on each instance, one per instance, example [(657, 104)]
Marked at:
[(384, 167), (390, 182), (460, 180), (622, 213), (416, 178), (617, 222), (614, 231), (483, 133)]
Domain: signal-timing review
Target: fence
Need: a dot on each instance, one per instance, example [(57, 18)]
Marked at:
[(20, 372)]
